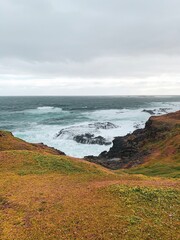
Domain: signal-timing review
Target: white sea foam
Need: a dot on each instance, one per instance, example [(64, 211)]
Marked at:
[(127, 120), (43, 110)]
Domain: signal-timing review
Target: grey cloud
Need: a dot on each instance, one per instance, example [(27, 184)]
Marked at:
[(56, 30), (110, 67), (89, 38)]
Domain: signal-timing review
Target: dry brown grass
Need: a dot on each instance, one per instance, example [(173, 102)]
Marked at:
[(48, 197), (54, 206)]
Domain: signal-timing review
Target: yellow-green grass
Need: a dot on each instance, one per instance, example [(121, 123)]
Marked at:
[(9, 142), (164, 165), (157, 169), (164, 160), (29, 162), (58, 206), (49, 197), (147, 213), (54, 197)]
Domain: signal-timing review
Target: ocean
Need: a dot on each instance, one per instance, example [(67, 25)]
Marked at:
[(57, 121)]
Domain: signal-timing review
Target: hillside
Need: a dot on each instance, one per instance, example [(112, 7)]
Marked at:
[(9, 142), (154, 150), (46, 195)]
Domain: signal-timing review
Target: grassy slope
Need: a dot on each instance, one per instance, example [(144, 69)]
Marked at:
[(9, 142), (164, 161), (46, 196), (165, 158)]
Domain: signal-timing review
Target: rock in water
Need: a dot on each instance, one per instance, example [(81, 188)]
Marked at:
[(88, 138), (71, 131), (151, 112), (102, 125), (63, 132)]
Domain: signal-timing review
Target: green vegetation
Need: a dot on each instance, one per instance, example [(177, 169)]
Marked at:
[(164, 160), (151, 213), (28, 162), (45, 196), (157, 169)]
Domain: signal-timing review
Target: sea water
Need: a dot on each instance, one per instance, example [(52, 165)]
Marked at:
[(40, 119)]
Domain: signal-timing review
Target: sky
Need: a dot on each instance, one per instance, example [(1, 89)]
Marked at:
[(89, 47)]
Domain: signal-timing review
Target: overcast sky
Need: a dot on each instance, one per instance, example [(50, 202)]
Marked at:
[(89, 47)]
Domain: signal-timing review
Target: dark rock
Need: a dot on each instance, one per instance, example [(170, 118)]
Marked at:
[(151, 112), (45, 147), (71, 132), (110, 163), (164, 110), (157, 111), (137, 125), (63, 132), (88, 138), (102, 125), (132, 149)]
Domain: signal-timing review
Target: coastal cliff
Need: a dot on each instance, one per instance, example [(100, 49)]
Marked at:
[(161, 135), (47, 195), (9, 142)]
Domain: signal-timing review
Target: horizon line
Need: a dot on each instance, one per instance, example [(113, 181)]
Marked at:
[(122, 95)]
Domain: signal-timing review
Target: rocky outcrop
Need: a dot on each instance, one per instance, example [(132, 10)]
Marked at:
[(87, 133), (72, 131), (51, 150), (102, 125), (151, 112), (63, 132), (156, 111), (132, 149), (88, 138)]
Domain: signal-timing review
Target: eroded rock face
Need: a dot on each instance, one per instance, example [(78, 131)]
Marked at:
[(131, 149), (88, 138)]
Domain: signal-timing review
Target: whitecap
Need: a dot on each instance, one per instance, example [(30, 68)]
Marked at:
[(126, 120), (43, 110)]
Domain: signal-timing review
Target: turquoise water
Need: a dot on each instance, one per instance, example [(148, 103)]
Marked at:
[(39, 119)]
